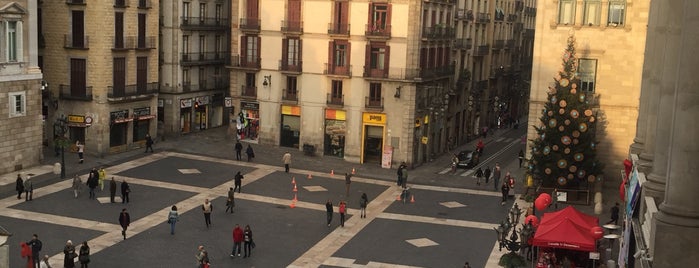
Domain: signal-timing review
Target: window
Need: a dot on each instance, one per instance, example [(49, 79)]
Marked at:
[(587, 70), (566, 12), (374, 92), (340, 54), (185, 11), (118, 29), (78, 78), (251, 48), (142, 30), (17, 103), (119, 77), (293, 51), (78, 29), (291, 87), (142, 74), (202, 11), (202, 78), (219, 11), (186, 80), (592, 12), (202, 46), (378, 57), (616, 12), (336, 89), (378, 16), (13, 41), (218, 45)]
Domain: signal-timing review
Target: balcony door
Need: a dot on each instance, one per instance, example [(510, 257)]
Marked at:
[(78, 76), (119, 77)]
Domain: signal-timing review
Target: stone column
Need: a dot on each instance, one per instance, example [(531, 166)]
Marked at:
[(676, 226), (33, 37)]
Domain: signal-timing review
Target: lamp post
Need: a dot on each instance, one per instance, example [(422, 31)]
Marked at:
[(60, 127), (514, 243)]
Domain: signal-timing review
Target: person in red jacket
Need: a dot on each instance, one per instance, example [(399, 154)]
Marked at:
[(237, 240)]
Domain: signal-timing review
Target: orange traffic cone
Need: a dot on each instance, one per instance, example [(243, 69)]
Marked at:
[(332, 172), (293, 180), (412, 199), (295, 199), (353, 172), (309, 175), (295, 190), (398, 198), (292, 205)]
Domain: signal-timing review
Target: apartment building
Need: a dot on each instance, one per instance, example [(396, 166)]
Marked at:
[(100, 61), (21, 119), (193, 53)]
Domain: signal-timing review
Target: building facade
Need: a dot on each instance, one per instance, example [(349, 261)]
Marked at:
[(100, 60), (21, 119), (193, 78)]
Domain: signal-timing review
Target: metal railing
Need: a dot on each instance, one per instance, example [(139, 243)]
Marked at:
[(286, 66), (483, 18), (248, 91), (69, 92), (121, 3), (373, 103), (244, 62), (142, 42), (207, 22), (70, 42), (338, 28), (203, 58), (482, 50), (374, 72), (335, 100), (292, 26), (498, 44), (252, 24), (338, 70), (463, 43), (374, 30), (438, 32), (132, 90), (289, 96)]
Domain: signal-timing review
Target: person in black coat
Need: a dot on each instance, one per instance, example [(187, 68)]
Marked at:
[(112, 190), (19, 186), (238, 181), (92, 182), (124, 221), (238, 150), (149, 143), (125, 190), (250, 153), (84, 256)]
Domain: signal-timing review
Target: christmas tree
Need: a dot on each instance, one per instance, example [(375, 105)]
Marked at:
[(564, 151)]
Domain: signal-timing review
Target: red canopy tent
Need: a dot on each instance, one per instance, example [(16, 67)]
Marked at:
[(568, 229)]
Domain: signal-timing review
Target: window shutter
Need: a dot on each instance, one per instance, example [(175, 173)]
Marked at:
[(20, 44), (388, 16), (387, 60), (331, 53), (258, 54), (300, 54), (370, 22), (348, 62), (243, 50), (285, 53), (367, 58)]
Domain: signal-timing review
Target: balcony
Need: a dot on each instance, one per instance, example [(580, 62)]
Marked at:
[(460, 14), (463, 43), (438, 32), (374, 72), (248, 91), (290, 67), (142, 42), (145, 4), (437, 72), (519, 5), (483, 18), (203, 58), (338, 29), (76, 2), (528, 33), (121, 3), (250, 25), (72, 92), (204, 23), (331, 69), (511, 17), (481, 50), (120, 43), (131, 92), (380, 31), (292, 27), (73, 42), (335, 100), (499, 44), (289, 96), (518, 27), (509, 44), (373, 103), (244, 62)]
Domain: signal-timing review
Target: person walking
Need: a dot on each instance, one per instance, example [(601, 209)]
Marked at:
[(84, 256), (26, 252), (45, 262), (342, 208), (479, 175), (172, 219), (149, 143), (329, 211), (238, 181), (92, 182), (69, 255), (250, 153), (205, 263), (404, 177), (287, 161), (124, 221), (102, 176), (348, 181), (81, 150), (363, 202), (496, 176), (400, 173), (230, 202), (486, 174), (201, 254), (520, 155), (125, 190), (510, 180), (454, 163), (238, 150), (77, 184), (237, 240), (249, 243), (207, 208), (615, 214), (112, 190), (28, 189), (35, 245), (19, 186), (504, 189)]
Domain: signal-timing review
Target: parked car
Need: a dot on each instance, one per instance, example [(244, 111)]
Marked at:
[(467, 159)]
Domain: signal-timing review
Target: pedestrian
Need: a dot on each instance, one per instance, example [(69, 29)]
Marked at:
[(505, 189), (112, 190), (554, 197), (496, 176), (45, 262), (81, 150), (230, 202), (102, 175), (454, 163), (92, 182), (201, 254), (207, 208), (250, 153), (237, 240), (466, 265), (249, 244), (35, 245), (28, 189), (521, 157), (400, 173), (69, 255), (77, 184), (615, 214), (238, 150), (329, 211), (287, 161), (124, 221), (26, 252), (486, 174), (172, 219), (363, 201), (205, 263), (485, 132), (238, 181), (342, 208), (404, 177), (479, 175), (19, 186), (510, 180), (84, 256), (348, 181), (149, 143), (125, 190), (479, 148)]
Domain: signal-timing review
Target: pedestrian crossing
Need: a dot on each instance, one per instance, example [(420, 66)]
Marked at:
[(469, 172)]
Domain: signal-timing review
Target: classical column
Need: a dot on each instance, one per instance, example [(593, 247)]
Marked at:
[(33, 37), (676, 226)]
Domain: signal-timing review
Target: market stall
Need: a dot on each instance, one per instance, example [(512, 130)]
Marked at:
[(566, 235)]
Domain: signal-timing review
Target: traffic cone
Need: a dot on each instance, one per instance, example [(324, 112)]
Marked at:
[(293, 204), (412, 199), (295, 190), (332, 172), (309, 176), (353, 171), (295, 199), (293, 180), (398, 198)]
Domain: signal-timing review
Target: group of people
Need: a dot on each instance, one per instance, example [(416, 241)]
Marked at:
[(25, 186), (248, 151), (96, 179)]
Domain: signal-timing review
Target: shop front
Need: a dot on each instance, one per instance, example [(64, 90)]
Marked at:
[(76, 127), (291, 126), (118, 127), (248, 121), (186, 115), (142, 121), (373, 125), (201, 112), (335, 131)]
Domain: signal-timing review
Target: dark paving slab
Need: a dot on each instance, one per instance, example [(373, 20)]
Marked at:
[(278, 185), (480, 208), (281, 234), (166, 170), (144, 200), (53, 237), (383, 240)]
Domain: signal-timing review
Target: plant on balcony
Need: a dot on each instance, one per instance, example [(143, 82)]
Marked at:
[(565, 148)]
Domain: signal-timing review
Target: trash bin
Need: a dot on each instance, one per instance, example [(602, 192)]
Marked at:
[(57, 168)]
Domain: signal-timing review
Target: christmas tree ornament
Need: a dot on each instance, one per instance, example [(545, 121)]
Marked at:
[(588, 112), (570, 176), (592, 119), (591, 178), (563, 82), (578, 157), (547, 171), (566, 150), (574, 113), (561, 128), (547, 150), (552, 123), (576, 133), (561, 111), (567, 122), (562, 181), (582, 127), (581, 98), (575, 141), (562, 163), (572, 168), (562, 103), (555, 147), (565, 140), (550, 113), (581, 174), (572, 90)]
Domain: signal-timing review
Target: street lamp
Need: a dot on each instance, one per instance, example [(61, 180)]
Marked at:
[(60, 127), (514, 243)]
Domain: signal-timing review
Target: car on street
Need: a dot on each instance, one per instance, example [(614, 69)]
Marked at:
[(467, 159)]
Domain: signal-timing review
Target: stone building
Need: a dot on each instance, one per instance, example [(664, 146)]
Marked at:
[(21, 117), (100, 61)]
